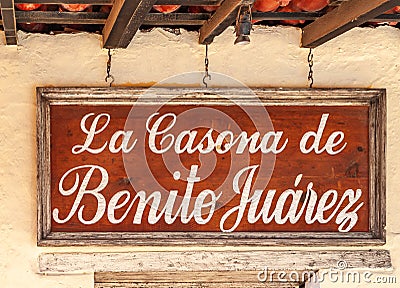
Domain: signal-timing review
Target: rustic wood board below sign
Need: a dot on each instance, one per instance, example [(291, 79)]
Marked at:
[(168, 166), (214, 261), (207, 279)]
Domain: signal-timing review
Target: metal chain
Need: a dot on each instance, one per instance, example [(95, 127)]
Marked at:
[(249, 5), (109, 76), (310, 66), (206, 74)]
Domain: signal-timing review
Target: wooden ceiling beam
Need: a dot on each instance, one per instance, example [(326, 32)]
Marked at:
[(348, 15), (56, 17), (223, 17), (189, 2), (92, 2), (151, 19), (110, 2), (176, 19), (9, 24), (273, 16), (161, 19), (124, 20)]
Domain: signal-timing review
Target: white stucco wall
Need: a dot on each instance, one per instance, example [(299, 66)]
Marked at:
[(360, 58)]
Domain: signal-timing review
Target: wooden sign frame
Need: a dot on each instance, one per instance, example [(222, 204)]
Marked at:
[(375, 99)]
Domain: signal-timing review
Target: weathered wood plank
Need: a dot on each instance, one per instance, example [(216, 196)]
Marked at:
[(8, 18), (377, 166), (260, 16), (151, 19), (92, 2), (124, 20), (209, 239), (223, 17), (175, 19), (195, 285), (189, 2), (387, 18), (55, 17), (211, 261), (348, 15), (198, 276), (110, 2), (160, 19), (203, 279)]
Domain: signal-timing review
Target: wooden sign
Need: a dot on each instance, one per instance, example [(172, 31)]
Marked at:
[(165, 166)]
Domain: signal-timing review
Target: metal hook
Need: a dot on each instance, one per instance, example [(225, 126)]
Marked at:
[(204, 79), (206, 74), (109, 76)]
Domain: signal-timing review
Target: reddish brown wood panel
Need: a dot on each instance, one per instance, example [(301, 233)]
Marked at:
[(348, 169)]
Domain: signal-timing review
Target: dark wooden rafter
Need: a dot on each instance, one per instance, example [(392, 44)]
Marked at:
[(170, 19), (92, 2), (223, 17), (124, 20), (312, 16), (9, 23), (176, 19), (56, 17), (110, 2), (273, 16), (346, 16), (151, 19), (189, 2)]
